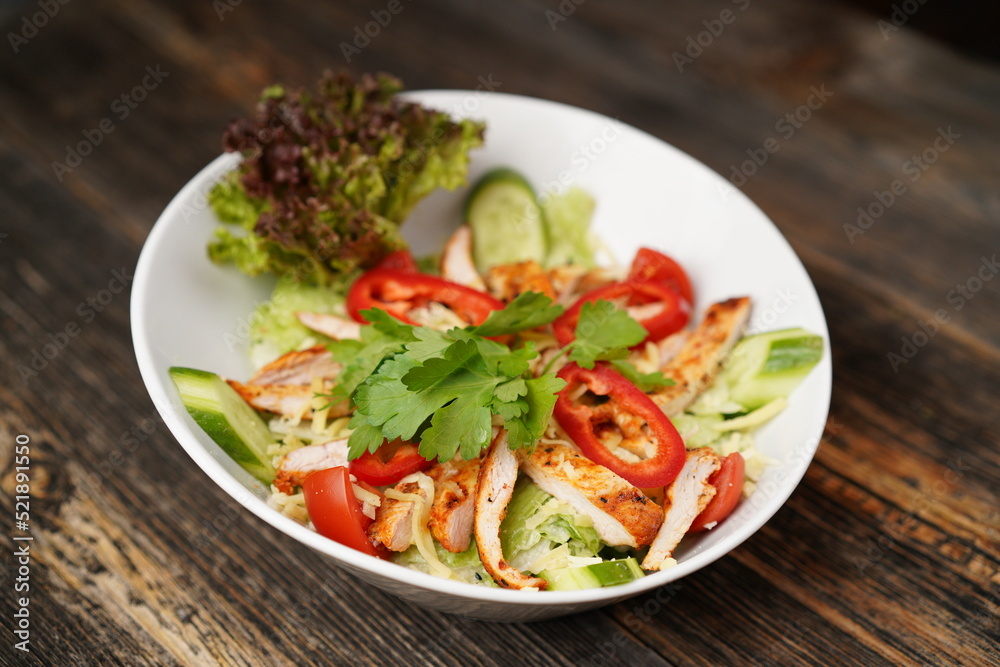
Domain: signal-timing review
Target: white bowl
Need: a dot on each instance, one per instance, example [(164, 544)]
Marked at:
[(188, 311)]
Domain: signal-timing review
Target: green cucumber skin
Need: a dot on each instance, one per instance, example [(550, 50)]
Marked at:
[(508, 225), (598, 575), (223, 415), (792, 354), (492, 177), (771, 365)]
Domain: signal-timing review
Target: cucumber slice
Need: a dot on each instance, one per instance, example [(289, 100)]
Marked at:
[(227, 419), (567, 223), (768, 366), (507, 223), (598, 575)]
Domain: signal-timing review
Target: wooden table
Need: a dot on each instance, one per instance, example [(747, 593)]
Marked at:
[(886, 554)]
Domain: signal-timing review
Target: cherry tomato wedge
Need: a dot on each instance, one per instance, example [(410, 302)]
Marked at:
[(336, 512), (653, 265), (728, 483), (399, 260), (672, 316), (627, 410), (390, 463), (399, 292)]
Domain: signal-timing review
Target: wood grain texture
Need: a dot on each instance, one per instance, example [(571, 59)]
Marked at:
[(886, 554)]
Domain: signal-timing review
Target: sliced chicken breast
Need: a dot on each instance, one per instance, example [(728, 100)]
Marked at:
[(289, 400), (686, 498), (300, 463), (298, 367), (699, 361), (453, 510), (495, 487), (393, 525), (506, 281), (621, 513), (456, 261), (339, 328)]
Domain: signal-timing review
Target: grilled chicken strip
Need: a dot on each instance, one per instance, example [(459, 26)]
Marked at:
[(506, 281), (453, 509), (686, 498), (456, 261), (570, 282), (495, 488), (338, 328), (621, 513), (393, 525), (300, 463), (300, 367), (699, 361), (289, 400)]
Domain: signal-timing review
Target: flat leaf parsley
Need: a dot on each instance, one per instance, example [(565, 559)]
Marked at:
[(442, 388)]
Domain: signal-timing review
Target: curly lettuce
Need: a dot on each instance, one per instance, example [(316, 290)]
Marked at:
[(328, 177)]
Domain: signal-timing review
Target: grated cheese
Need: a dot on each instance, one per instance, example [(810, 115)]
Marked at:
[(421, 533)]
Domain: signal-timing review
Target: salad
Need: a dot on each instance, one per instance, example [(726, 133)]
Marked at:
[(512, 412)]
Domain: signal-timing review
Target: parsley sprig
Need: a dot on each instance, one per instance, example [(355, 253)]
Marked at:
[(443, 388)]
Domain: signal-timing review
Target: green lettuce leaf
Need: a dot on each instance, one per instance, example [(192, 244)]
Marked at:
[(328, 176)]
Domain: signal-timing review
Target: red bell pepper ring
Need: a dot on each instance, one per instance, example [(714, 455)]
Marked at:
[(652, 265), (399, 292), (627, 409), (672, 317), (400, 260), (378, 470)]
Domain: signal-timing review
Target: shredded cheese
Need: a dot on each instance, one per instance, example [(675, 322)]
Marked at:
[(551, 560), (421, 533)]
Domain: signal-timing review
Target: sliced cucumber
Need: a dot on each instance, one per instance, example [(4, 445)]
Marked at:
[(227, 419), (507, 223), (567, 225), (767, 366), (598, 575), (697, 430)]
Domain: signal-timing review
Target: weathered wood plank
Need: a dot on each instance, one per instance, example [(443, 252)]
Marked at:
[(886, 554)]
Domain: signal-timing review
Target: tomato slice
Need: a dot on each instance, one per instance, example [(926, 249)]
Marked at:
[(336, 512), (398, 292), (390, 463), (653, 265), (672, 316), (626, 409), (399, 260), (728, 483)]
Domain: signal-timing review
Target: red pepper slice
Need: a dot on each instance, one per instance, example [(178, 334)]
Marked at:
[(390, 463), (627, 410), (672, 317), (400, 260), (653, 265), (728, 483), (398, 292)]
